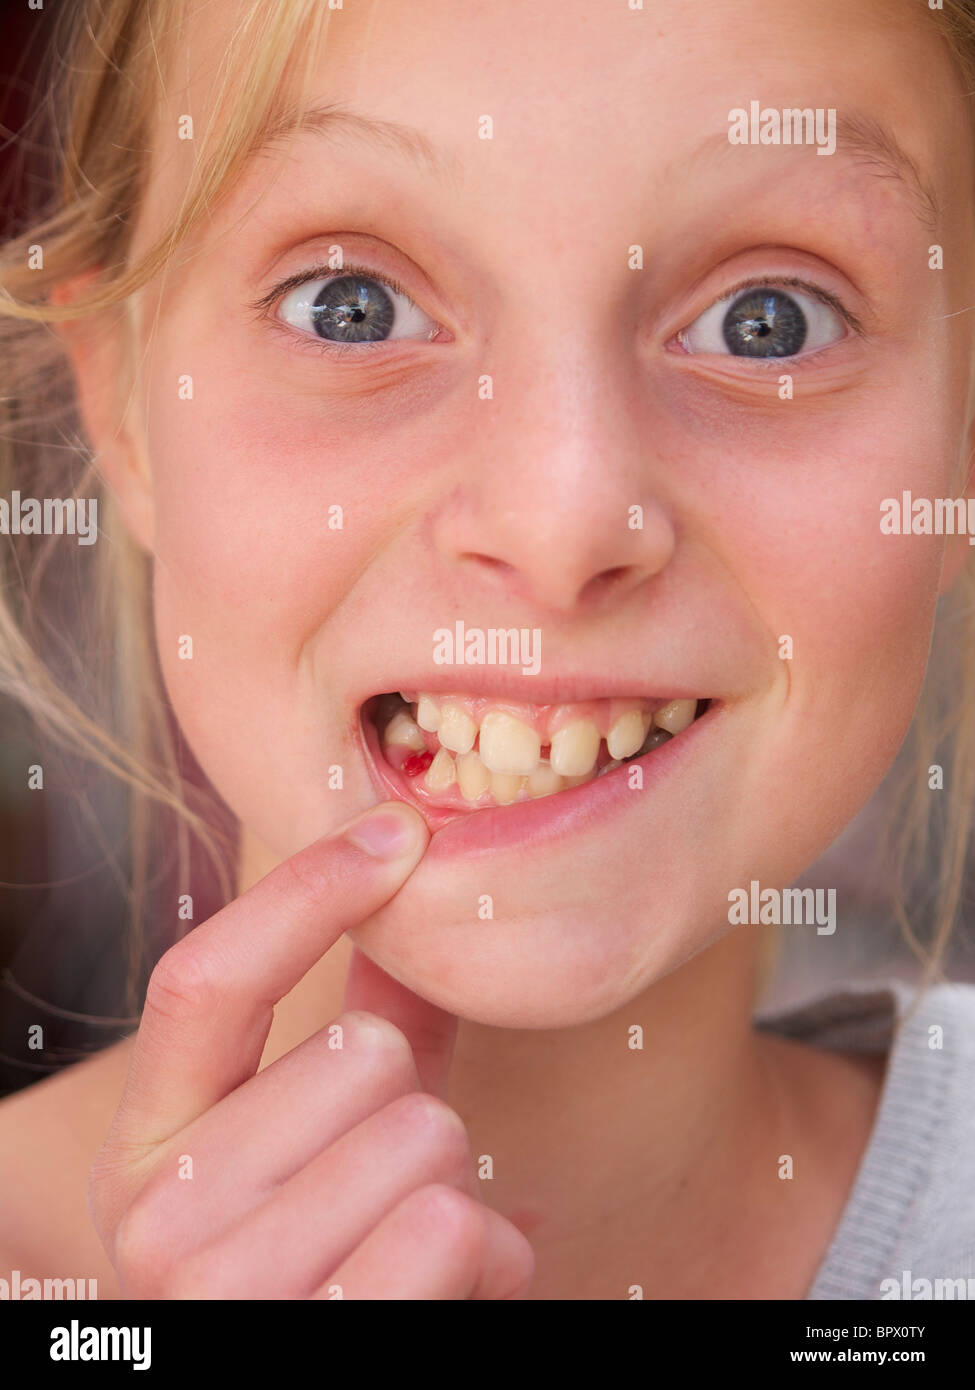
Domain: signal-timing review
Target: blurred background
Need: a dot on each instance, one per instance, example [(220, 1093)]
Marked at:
[(64, 852)]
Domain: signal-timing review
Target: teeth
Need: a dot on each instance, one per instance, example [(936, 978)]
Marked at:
[(676, 716), (457, 730), (402, 732), (441, 773), (654, 739), (504, 755), (507, 745), (626, 735), (473, 777), (542, 781), (574, 748), (428, 714), (609, 767), (505, 787)]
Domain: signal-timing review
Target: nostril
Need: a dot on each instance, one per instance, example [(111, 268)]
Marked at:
[(519, 584), (607, 580), (612, 575), (488, 562)]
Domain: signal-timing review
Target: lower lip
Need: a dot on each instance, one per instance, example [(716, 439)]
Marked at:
[(550, 817)]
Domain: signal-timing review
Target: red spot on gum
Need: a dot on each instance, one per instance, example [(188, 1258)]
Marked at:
[(416, 763)]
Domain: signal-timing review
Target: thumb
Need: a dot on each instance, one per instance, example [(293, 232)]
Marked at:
[(430, 1031)]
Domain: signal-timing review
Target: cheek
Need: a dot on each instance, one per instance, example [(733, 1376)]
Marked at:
[(850, 611), (846, 609), (262, 518), (801, 533), (247, 566), (280, 511), (275, 547)]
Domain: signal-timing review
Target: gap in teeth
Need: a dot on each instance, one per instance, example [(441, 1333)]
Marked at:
[(470, 751)]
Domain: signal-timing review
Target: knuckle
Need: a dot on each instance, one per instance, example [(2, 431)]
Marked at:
[(141, 1254), (180, 985), (306, 881), (190, 1278), (106, 1184), (452, 1219)]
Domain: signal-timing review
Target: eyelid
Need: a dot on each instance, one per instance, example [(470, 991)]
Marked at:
[(326, 272), (760, 281)]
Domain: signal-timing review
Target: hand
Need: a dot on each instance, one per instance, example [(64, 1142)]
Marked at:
[(333, 1169)]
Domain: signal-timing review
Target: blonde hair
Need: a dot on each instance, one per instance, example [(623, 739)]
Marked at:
[(929, 833), (108, 70), (108, 59)]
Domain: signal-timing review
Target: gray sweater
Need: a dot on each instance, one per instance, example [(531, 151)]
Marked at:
[(908, 1229)]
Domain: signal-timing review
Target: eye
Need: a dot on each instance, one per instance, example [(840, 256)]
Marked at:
[(353, 307), (762, 320)]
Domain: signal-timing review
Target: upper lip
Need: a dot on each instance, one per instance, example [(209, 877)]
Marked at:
[(529, 690)]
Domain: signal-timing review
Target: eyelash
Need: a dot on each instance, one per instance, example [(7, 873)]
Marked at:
[(267, 301), (760, 281), (325, 272)]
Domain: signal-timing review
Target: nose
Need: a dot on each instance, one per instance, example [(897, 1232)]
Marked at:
[(555, 504)]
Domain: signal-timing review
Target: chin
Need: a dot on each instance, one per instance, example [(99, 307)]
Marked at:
[(546, 959)]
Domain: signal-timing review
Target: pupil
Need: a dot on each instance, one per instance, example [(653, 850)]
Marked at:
[(764, 323)]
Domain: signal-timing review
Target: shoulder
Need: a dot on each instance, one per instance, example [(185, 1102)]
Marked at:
[(909, 1224), (49, 1136), (932, 1122)]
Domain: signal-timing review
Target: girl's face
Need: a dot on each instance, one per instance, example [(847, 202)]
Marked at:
[(569, 231)]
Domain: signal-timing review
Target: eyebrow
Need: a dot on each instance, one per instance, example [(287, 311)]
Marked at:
[(333, 120), (863, 136), (857, 133)]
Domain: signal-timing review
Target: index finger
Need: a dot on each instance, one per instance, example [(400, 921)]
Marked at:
[(211, 997)]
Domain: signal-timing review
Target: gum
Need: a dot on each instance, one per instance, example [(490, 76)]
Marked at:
[(547, 719)]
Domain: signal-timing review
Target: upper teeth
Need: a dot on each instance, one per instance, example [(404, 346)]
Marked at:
[(675, 716), (508, 745), (575, 748), (508, 758), (456, 730), (627, 734), (427, 713)]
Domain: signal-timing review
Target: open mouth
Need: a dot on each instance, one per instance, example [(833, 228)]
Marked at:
[(463, 753)]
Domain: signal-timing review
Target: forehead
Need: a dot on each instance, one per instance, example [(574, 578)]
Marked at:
[(589, 96)]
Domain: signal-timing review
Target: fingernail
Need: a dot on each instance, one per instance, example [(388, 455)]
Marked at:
[(386, 833)]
